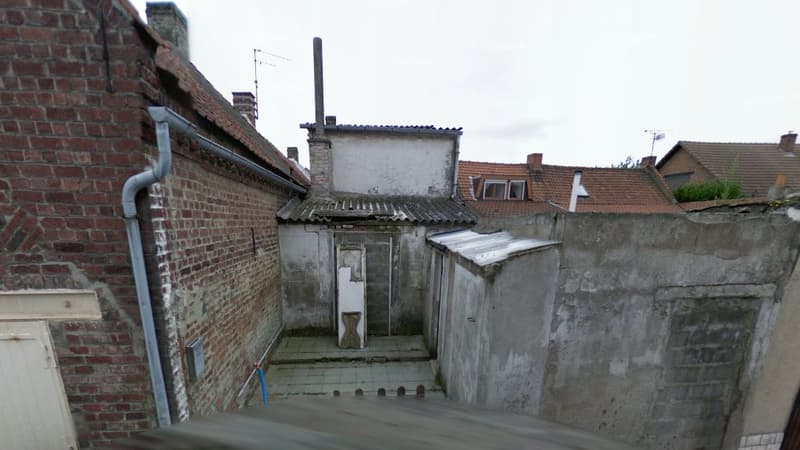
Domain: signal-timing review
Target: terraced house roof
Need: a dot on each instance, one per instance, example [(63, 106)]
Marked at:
[(548, 189)]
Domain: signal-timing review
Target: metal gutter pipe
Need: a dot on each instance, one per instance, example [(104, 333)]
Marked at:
[(455, 167), (132, 186), (166, 118)]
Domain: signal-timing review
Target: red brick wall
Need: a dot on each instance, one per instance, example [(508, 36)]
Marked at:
[(69, 138), (216, 284), (66, 147)]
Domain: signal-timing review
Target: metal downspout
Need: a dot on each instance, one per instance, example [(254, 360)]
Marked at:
[(456, 152), (132, 186)]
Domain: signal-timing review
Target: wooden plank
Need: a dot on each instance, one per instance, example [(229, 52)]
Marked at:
[(52, 304)]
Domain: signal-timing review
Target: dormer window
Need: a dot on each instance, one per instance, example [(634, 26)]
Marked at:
[(504, 190), (494, 190), (516, 190)]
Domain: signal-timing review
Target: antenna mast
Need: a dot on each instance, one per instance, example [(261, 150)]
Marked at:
[(657, 136), (256, 63)]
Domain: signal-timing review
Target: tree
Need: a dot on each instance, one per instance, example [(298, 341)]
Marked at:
[(629, 163)]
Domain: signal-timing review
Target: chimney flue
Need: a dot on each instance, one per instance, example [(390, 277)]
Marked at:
[(170, 23), (535, 161), (245, 104), (787, 141), (292, 153), (319, 98), (648, 161)]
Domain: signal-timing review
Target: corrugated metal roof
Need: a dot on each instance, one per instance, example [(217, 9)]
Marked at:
[(388, 209), (404, 129), (485, 249)]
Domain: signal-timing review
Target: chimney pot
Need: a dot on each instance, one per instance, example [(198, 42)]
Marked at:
[(245, 104), (330, 120), (648, 161), (535, 161), (292, 153), (170, 23), (787, 141)]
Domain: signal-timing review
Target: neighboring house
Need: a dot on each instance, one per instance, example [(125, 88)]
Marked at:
[(355, 249), (85, 360), (512, 190), (757, 167)]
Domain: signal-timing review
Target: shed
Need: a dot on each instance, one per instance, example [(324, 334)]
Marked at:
[(488, 316)]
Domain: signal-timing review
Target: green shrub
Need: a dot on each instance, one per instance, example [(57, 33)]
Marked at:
[(709, 190)]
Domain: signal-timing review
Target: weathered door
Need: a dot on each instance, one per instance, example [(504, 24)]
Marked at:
[(379, 255), (33, 406), (351, 295)]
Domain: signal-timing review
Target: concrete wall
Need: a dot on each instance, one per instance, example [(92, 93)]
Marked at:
[(308, 259), (389, 164), (660, 322), (496, 324)]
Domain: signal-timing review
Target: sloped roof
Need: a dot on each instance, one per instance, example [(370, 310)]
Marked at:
[(432, 210), (489, 248), (213, 106), (399, 129), (638, 190), (754, 166)]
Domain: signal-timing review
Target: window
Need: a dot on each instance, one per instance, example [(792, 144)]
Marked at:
[(516, 190), (494, 190), (675, 180)]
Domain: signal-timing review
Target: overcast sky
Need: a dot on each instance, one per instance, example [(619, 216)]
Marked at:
[(579, 81)]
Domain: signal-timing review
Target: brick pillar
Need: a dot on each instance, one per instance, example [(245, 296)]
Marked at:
[(319, 154)]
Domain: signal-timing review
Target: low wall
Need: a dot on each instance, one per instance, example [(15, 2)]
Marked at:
[(659, 323)]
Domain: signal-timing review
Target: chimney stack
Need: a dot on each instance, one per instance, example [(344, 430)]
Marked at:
[(648, 161), (292, 153), (245, 104), (535, 161), (170, 23), (319, 146), (787, 141), (330, 120)]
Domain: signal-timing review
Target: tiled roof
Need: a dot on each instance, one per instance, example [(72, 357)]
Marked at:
[(610, 190), (212, 105), (400, 129), (755, 166), (384, 209)]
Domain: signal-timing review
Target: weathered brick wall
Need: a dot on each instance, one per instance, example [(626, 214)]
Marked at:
[(70, 123), (219, 270)]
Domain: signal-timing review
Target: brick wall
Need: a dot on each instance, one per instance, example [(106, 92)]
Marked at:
[(74, 128), (219, 271), (66, 147)]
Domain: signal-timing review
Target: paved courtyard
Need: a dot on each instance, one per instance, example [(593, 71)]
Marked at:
[(316, 366)]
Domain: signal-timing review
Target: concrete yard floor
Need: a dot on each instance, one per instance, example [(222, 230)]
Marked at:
[(316, 366), (322, 348)]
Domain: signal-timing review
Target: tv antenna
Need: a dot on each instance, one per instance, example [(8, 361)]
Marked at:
[(657, 136), (259, 61)]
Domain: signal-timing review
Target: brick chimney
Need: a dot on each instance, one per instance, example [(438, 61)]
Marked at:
[(319, 146), (170, 23), (245, 104), (535, 161), (648, 161), (787, 141), (292, 153)]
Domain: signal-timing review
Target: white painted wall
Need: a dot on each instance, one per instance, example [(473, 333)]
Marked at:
[(392, 164)]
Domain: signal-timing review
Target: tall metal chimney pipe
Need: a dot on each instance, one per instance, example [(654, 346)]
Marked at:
[(319, 98)]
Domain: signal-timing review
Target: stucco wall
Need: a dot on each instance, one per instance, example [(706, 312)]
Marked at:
[(660, 322), (307, 261), (390, 164)]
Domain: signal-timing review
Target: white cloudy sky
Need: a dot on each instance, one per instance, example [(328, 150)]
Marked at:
[(577, 80)]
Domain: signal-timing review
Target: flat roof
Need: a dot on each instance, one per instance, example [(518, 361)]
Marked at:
[(487, 248)]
